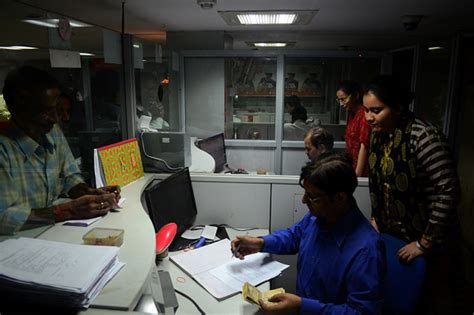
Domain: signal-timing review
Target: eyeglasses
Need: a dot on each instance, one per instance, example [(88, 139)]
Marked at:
[(314, 199), (343, 100)]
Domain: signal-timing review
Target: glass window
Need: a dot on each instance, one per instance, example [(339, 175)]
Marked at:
[(156, 89), (91, 102), (312, 83), (433, 83), (250, 85)]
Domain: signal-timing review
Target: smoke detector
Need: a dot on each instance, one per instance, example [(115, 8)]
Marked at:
[(206, 4)]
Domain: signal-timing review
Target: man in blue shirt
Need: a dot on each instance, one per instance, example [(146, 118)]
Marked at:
[(341, 259)]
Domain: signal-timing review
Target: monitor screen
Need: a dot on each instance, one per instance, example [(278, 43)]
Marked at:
[(215, 146), (172, 200)]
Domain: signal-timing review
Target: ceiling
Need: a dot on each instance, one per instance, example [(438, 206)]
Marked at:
[(360, 25)]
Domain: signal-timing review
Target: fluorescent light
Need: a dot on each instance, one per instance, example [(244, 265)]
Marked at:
[(266, 18), (44, 23), (52, 23), (136, 46), (86, 54), (435, 48), (14, 47), (270, 44), (275, 17)]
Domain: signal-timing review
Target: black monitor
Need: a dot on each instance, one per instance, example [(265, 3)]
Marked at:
[(172, 200), (215, 146)]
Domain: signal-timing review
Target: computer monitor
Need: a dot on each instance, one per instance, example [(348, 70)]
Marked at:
[(215, 146), (172, 200), (164, 151)]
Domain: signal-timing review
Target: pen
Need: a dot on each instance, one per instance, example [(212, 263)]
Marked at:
[(236, 250), (201, 242)]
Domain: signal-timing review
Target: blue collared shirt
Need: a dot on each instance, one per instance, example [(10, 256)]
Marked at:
[(32, 175), (340, 270)]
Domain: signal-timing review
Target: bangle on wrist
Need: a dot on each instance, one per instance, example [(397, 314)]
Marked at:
[(421, 247), (61, 213)]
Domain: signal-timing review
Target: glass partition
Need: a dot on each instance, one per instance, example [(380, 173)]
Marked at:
[(250, 89), (91, 101), (312, 82), (156, 87), (433, 83)]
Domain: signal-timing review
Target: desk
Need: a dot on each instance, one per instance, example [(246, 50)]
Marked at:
[(137, 250), (232, 305)]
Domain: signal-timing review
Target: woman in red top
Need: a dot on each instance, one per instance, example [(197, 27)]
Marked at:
[(357, 135)]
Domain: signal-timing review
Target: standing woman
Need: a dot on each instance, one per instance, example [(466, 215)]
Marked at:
[(349, 96), (414, 192)]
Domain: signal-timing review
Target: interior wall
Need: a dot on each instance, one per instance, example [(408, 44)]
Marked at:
[(465, 153), (204, 99)]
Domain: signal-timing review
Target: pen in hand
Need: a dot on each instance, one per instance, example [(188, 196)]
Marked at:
[(236, 250)]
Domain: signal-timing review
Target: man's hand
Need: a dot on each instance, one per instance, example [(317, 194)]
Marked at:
[(409, 252), (110, 189), (90, 206), (282, 303), (246, 245), (83, 190)]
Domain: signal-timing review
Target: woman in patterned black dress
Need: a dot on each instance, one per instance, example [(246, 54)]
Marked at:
[(415, 191)]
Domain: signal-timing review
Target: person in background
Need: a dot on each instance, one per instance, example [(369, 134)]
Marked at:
[(158, 111), (415, 190), (317, 141), (349, 96), (300, 123), (36, 164), (341, 259)]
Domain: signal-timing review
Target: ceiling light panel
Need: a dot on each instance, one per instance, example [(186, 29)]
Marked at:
[(266, 18), (54, 23), (284, 17), (16, 47), (270, 44)]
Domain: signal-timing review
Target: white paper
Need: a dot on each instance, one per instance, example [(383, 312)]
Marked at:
[(209, 232), (64, 58), (99, 181), (213, 267), (59, 265), (81, 222)]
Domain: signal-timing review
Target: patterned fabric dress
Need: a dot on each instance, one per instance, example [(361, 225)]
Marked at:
[(413, 184), (357, 133), (414, 192)]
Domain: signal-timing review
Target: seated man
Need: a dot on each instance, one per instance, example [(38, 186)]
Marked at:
[(36, 163), (317, 141), (341, 260)]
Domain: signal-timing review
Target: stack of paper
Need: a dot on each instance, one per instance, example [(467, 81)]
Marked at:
[(214, 268), (57, 274)]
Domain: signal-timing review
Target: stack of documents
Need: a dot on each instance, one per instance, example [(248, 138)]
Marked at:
[(222, 275), (56, 274)]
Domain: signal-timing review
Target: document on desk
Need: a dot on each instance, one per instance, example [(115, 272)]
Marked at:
[(40, 271), (213, 267)]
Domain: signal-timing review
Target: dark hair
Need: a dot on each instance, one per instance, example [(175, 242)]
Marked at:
[(298, 112), (321, 138), (351, 87), (331, 173), (25, 78), (388, 90), (293, 101)]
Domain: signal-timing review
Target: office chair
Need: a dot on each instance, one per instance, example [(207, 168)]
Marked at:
[(404, 281)]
